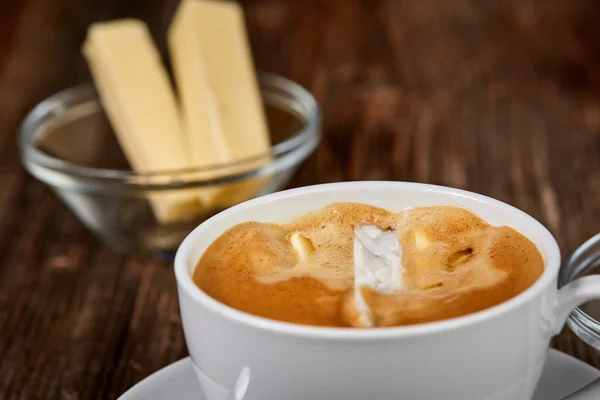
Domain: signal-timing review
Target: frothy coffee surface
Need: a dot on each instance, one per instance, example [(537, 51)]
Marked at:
[(303, 271)]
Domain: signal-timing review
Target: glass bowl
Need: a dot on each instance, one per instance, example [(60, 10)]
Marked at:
[(585, 320), (66, 142)]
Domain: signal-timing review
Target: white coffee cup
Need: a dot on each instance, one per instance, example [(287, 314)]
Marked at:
[(495, 354)]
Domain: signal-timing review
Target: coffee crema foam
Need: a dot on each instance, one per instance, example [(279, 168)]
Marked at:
[(453, 263)]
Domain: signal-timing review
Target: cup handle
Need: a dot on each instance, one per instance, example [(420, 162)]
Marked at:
[(573, 295)]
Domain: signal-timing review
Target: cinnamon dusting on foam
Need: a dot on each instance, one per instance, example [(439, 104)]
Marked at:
[(453, 263)]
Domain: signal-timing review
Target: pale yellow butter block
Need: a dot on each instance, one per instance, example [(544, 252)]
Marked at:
[(421, 240), (222, 110), (137, 95), (303, 245)]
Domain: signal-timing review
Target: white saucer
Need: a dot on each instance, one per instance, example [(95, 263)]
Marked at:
[(562, 376)]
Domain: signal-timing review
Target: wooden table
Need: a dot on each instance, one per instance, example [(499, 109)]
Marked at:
[(499, 97)]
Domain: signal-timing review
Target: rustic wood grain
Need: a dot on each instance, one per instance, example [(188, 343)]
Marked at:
[(501, 97)]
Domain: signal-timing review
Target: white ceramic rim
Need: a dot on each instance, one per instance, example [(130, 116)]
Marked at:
[(185, 282)]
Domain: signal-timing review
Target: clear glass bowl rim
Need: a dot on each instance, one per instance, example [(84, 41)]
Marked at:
[(282, 155)]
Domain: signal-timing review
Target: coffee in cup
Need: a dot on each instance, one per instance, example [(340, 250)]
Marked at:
[(357, 265)]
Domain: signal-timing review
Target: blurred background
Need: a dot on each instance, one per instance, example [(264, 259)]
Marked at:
[(500, 97)]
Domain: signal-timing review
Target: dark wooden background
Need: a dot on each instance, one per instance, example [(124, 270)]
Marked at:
[(499, 97)]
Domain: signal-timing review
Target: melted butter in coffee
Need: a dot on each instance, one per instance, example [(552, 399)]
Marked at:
[(454, 264)]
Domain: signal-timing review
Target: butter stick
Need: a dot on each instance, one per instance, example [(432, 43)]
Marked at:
[(222, 110), (137, 95)]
